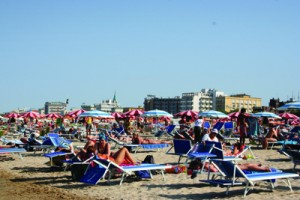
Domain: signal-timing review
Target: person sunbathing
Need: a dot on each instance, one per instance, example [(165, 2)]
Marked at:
[(136, 139), (270, 137), (89, 148), (103, 151)]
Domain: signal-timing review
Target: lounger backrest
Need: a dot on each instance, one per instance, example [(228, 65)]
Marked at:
[(218, 150), (228, 125), (227, 167), (182, 146), (218, 125), (55, 135), (170, 128), (202, 147), (206, 125)]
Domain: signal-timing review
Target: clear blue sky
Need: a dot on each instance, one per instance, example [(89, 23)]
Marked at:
[(87, 50)]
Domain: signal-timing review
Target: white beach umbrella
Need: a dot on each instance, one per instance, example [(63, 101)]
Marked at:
[(266, 114), (213, 114), (96, 113), (156, 113)]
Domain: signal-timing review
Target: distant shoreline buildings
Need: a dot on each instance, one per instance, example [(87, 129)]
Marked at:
[(206, 99)]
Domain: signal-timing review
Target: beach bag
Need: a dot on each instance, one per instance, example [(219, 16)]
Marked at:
[(145, 173), (149, 159)]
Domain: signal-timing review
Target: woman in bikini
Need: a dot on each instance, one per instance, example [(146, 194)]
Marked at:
[(121, 156)]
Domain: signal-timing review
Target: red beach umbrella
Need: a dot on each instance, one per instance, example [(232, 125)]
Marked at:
[(75, 113), (32, 114), (288, 116), (13, 115), (53, 116), (135, 112), (188, 113)]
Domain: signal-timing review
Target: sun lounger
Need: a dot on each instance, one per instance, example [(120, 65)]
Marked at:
[(18, 151), (131, 169), (181, 148), (236, 176), (293, 155), (56, 154)]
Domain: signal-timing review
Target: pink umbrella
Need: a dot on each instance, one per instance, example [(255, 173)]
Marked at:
[(236, 114), (295, 122), (188, 113), (75, 113), (135, 112), (117, 115), (13, 115), (53, 115), (31, 114), (288, 116)]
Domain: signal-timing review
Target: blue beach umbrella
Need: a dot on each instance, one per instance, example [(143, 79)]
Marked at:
[(96, 113), (213, 114), (266, 114), (156, 113), (290, 106)]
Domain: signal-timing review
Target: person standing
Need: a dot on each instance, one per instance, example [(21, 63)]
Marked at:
[(198, 129), (242, 124)]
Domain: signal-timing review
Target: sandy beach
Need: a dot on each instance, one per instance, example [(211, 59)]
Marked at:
[(31, 178)]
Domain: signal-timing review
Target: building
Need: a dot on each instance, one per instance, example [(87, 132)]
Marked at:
[(170, 105), (88, 107), (55, 107), (236, 102), (200, 101)]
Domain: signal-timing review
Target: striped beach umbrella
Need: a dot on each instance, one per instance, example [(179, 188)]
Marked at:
[(266, 114), (96, 113), (213, 114), (290, 106), (31, 114), (156, 113)]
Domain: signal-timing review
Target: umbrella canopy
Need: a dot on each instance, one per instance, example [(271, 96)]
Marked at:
[(117, 115), (188, 113), (96, 113), (288, 116), (265, 114), (12, 115), (75, 113), (135, 112), (31, 114), (53, 115), (290, 106), (156, 113), (213, 114)]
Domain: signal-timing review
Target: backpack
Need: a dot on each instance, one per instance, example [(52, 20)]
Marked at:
[(150, 160)]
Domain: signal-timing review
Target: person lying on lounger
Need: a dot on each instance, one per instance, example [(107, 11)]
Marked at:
[(103, 151), (137, 139), (197, 165)]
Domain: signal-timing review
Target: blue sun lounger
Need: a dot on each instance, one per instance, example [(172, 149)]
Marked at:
[(18, 151), (181, 148), (113, 168), (235, 176)]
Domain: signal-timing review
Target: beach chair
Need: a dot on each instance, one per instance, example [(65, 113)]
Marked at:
[(206, 125), (13, 151), (293, 155), (126, 171), (236, 177), (168, 131), (219, 152), (181, 148), (227, 136), (203, 152)]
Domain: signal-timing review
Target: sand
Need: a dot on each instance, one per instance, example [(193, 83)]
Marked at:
[(31, 179)]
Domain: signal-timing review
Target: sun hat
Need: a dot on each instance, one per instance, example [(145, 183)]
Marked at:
[(215, 131)]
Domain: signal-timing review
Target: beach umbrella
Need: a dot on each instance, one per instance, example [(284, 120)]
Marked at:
[(266, 114), (186, 113), (213, 114), (117, 115), (156, 113), (75, 113), (96, 113), (53, 115), (290, 106), (13, 115), (31, 114), (135, 112), (288, 116)]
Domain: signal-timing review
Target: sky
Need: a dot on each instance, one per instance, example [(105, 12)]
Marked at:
[(86, 51)]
